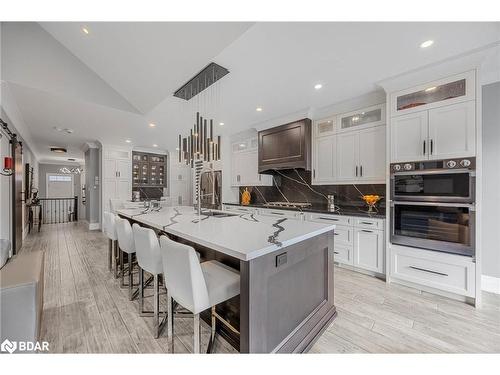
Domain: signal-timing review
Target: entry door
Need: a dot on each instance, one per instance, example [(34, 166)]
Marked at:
[(59, 186)]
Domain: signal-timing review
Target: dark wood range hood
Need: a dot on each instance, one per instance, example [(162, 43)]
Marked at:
[(286, 146)]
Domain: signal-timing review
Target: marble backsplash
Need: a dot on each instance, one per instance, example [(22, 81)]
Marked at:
[(296, 186)]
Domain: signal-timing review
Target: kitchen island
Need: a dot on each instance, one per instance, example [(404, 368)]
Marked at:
[(286, 272)]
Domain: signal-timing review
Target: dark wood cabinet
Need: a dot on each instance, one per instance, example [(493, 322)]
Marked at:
[(285, 147)]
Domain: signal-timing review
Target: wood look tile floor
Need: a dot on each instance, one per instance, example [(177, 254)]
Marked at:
[(85, 310)]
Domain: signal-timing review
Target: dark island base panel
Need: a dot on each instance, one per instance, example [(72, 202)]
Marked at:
[(283, 308), (287, 181)]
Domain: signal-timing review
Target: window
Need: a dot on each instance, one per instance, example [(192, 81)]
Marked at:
[(58, 178)]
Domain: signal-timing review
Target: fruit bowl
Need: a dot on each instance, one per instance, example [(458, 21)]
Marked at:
[(371, 201)]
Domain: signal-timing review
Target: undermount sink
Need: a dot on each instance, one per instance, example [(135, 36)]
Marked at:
[(217, 214)]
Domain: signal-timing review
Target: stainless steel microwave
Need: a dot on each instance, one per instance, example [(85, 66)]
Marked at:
[(434, 181)]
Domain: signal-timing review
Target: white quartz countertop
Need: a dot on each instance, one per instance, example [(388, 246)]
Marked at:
[(244, 236)]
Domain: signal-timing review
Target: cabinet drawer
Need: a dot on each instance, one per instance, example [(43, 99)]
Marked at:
[(280, 213), (329, 219), (343, 235), (446, 272), (369, 223), (343, 254)]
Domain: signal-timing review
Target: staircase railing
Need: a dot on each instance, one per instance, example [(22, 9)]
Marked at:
[(59, 210)]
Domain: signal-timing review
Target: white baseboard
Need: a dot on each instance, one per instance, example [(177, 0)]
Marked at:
[(490, 284), (94, 226)]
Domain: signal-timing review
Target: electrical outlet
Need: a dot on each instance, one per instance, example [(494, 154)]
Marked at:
[(281, 259)]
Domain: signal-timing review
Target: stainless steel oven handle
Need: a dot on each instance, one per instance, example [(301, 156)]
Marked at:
[(435, 171), (471, 206), (428, 271)]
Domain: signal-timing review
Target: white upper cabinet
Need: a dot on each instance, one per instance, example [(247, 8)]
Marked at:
[(362, 118), (409, 137), (347, 156), (324, 159), (324, 127), (446, 91), (350, 148), (440, 133), (371, 144), (452, 131), (244, 165)]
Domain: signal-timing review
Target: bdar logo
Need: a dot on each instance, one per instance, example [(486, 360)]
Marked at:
[(8, 346)]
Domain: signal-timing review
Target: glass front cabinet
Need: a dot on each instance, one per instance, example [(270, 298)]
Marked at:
[(451, 90)]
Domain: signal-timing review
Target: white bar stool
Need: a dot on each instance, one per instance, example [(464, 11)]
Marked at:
[(149, 259), (110, 232), (196, 286), (126, 245)]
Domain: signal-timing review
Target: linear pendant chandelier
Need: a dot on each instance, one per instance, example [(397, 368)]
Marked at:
[(200, 144)]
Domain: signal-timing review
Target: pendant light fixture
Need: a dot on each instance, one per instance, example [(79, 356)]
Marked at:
[(201, 144)]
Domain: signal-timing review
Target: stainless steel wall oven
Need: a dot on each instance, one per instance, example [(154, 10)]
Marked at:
[(432, 205)]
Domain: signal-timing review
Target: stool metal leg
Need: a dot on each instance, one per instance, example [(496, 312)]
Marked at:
[(211, 343), (130, 278), (110, 255), (170, 321), (156, 307), (117, 259), (122, 270), (141, 290), (196, 327)]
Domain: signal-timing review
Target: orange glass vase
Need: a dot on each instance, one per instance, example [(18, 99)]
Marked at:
[(245, 197)]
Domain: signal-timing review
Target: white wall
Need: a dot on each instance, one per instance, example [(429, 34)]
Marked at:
[(491, 181), (5, 192)]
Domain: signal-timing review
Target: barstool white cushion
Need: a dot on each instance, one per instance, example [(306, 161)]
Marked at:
[(147, 249), (109, 226), (196, 286), (125, 235), (223, 282)]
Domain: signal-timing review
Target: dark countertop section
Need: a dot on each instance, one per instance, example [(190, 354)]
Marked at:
[(323, 209)]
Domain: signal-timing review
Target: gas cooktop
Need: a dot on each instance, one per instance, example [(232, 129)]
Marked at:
[(288, 204)]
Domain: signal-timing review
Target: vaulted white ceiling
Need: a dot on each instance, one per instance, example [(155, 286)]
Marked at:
[(108, 85)]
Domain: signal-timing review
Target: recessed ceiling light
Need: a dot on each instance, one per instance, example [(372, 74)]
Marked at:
[(431, 89), (85, 30), (258, 109), (221, 123), (155, 145), (242, 145), (151, 125), (128, 140), (318, 86), (69, 131), (427, 43), (59, 150)]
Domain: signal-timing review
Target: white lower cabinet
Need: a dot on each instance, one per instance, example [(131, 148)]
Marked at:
[(342, 254), (369, 249), (447, 272), (358, 241)]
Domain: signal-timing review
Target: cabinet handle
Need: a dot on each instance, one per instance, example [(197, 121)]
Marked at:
[(428, 271), (277, 213), (366, 230), (328, 218), (314, 173), (432, 146), (366, 222), (424, 146), (361, 170), (336, 234), (260, 177), (335, 252), (356, 171)]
